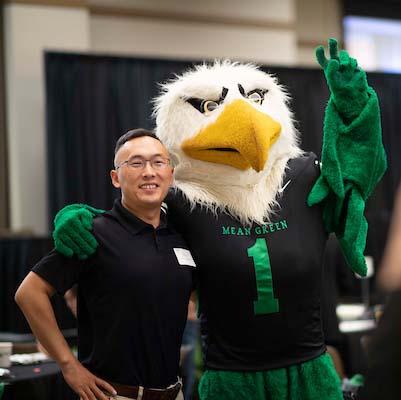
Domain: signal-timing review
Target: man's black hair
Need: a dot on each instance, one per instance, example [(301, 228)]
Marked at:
[(133, 134)]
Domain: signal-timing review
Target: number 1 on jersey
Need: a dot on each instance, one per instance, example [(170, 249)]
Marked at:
[(266, 302)]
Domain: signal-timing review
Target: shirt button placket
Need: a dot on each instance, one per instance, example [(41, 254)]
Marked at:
[(155, 237)]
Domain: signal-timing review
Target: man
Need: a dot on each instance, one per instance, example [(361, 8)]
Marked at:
[(132, 294)]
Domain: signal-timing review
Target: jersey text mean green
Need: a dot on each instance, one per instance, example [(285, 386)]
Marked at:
[(266, 302)]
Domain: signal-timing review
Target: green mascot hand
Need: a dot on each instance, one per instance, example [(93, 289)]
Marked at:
[(72, 233), (346, 81), (353, 157)]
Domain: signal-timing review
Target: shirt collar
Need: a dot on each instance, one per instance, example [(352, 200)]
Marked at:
[(132, 222)]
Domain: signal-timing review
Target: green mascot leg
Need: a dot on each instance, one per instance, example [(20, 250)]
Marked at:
[(312, 380)]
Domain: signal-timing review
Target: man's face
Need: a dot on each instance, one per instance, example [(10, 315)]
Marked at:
[(142, 188)]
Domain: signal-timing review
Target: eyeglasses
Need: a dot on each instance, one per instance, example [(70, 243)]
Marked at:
[(139, 163)]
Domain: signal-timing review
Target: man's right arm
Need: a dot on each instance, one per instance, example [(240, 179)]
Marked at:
[(33, 297)]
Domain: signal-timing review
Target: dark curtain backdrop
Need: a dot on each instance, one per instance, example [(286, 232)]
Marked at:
[(17, 257), (92, 100)]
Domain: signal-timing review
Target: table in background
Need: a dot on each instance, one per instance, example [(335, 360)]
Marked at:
[(36, 382)]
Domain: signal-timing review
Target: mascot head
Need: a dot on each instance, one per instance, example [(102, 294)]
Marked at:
[(230, 135)]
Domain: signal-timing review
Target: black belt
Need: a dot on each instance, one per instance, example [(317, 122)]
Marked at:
[(141, 393)]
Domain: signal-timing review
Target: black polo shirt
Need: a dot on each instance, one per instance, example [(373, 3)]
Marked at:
[(259, 285), (132, 298)]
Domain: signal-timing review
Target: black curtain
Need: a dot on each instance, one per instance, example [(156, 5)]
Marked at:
[(92, 100), (17, 257)]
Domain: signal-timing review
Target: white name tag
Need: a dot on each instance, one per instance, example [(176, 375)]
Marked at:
[(184, 257)]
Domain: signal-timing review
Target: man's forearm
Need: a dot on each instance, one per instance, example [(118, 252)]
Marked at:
[(34, 300), (33, 297)]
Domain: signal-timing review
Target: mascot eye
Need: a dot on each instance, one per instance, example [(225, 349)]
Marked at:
[(203, 106), (257, 96), (208, 106)]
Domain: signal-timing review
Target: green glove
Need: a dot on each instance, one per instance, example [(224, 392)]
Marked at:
[(72, 233), (353, 157), (346, 81)]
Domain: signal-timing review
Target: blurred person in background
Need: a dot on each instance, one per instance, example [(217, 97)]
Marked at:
[(390, 271), (189, 341), (383, 380)]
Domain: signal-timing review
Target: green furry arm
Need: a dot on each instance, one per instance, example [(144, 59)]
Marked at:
[(72, 233), (353, 157)]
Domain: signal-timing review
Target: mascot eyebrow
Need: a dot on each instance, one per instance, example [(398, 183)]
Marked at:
[(256, 95), (203, 105), (207, 105)]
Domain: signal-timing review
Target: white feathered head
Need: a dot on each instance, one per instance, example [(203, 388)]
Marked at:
[(230, 134)]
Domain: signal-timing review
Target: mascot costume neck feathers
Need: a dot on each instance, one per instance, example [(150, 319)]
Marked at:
[(255, 211)]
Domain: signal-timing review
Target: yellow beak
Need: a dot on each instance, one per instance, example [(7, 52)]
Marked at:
[(240, 137)]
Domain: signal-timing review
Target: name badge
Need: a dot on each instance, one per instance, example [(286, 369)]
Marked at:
[(184, 257)]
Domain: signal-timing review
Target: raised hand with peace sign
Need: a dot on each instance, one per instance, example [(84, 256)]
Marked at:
[(347, 82)]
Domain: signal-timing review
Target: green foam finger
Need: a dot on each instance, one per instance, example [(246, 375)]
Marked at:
[(66, 210), (83, 238), (76, 237), (321, 58), (62, 248), (93, 210), (81, 244), (344, 57), (84, 241), (332, 68), (86, 219), (69, 243), (86, 249), (76, 226), (89, 239), (333, 48), (73, 234), (88, 243), (353, 63)]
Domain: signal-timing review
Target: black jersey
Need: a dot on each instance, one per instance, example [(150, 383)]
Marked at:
[(259, 286)]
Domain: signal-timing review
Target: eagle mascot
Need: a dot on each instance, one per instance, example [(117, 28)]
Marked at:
[(256, 212)]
